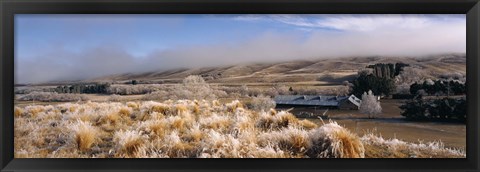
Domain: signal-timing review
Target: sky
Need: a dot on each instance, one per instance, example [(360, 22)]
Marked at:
[(53, 47)]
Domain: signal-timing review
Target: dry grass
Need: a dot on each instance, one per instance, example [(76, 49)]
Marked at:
[(186, 129), (394, 148), (85, 135), (332, 140)]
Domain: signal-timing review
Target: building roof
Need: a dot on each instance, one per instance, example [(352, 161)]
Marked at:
[(309, 100), (354, 100), (314, 100)]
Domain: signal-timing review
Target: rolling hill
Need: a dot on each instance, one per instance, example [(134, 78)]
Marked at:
[(333, 70)]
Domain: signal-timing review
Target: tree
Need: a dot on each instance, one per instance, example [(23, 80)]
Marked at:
[(370, 105), (195, 87), (134, 82), (446, 109), (365, 82), (262, 103)]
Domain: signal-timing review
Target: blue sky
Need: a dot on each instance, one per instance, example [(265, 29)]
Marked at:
[(60, 47), (140, 34)]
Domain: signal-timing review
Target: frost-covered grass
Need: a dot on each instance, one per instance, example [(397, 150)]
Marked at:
[(377, 146), (193, 129)]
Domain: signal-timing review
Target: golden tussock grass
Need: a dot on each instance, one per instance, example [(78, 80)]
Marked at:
[(33, 111), (308, 124), (200, 129), (164, 109), (180, 108), (129, 143), (133, 105), (332, 140), (125, 112), (72, 109), (196, 109), (18, 112), (85, 135)]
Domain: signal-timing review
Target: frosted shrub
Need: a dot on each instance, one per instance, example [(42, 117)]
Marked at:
[(262, 103), (370, 105), (410, 75), (192, 88), (195, 87), (134, 89), (52, 97)]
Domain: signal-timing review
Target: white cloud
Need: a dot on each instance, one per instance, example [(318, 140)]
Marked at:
[(349, 22)]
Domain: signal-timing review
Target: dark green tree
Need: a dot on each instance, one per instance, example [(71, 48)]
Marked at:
[(378, 85)]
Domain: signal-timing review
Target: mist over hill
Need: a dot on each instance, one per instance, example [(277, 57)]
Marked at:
[(331, 70)]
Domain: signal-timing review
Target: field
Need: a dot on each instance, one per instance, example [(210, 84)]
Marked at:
[(201, 129)]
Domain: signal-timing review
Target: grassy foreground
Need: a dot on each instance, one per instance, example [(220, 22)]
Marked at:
[(203, 129)]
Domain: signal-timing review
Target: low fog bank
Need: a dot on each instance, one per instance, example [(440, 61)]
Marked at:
[(61, 64)]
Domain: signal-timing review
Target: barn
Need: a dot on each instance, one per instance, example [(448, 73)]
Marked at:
[(318, 101)]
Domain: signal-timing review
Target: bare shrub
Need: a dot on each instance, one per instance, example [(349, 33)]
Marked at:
[(53, 97), (134, 89), (159, 95), (370, 105)]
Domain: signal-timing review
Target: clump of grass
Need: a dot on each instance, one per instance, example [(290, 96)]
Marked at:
[(195, 134), (18, 112), (291, 139), (129, 143), (85, 135), (180, 108), (133, 105), (126, 112), (161, 108), (33, 111), (157, 128), (333, 141), (233, 106), (306, 124)]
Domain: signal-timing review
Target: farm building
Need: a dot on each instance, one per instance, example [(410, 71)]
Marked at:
[(321, 102)]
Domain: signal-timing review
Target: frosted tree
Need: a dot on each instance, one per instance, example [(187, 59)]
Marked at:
[(370, 105), (262, 103), (196, 88)]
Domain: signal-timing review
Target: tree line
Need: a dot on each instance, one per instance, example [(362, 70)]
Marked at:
[(97, 88), (446, 109), (438, 87)]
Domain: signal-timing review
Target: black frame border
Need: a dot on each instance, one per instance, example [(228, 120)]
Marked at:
[(8, 8)]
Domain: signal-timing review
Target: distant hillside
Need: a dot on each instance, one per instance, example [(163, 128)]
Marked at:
[(324, 70)]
